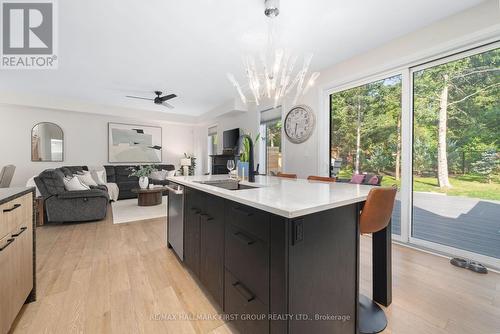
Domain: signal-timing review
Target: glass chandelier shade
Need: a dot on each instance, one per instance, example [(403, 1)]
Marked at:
[(272, 76)]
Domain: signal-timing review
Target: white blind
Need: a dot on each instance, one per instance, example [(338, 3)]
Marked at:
[(270, 115), (212, 130)]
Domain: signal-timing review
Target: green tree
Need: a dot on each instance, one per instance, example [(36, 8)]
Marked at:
[(486, 165), (366, 119), (379, 160), (456, 109), (456, 93)]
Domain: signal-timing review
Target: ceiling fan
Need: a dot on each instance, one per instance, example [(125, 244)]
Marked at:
[(162, 100)]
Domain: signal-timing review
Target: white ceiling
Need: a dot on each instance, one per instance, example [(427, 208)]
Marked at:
[(112, 48)]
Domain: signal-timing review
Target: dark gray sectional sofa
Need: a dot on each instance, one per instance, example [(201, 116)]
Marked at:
[(70, 206), (85, 205)]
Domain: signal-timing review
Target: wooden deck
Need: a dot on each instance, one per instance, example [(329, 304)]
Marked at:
[(461, 222)]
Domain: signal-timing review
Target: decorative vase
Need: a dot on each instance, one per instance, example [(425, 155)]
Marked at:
[(143, 182), (243, 169)]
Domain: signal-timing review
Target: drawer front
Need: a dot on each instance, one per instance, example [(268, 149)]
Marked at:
[(247, 257), (239, 300), (7, 281), (250, 219), (22, 266), (212, 248), (15, 213), (16, 274)]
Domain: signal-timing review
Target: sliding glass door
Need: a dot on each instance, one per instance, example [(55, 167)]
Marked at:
[(365, 134), (433, 130), (456, 141)]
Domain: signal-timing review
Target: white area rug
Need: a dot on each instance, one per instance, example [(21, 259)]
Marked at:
[(127, 210)]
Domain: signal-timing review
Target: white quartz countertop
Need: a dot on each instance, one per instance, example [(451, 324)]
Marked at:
[(289, 198)]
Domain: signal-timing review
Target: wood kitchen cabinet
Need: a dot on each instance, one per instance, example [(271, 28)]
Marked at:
[(7, 313), (17, 260)]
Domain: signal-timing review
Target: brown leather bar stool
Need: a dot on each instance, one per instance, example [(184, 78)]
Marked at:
[(288, 176), (321, 178), (375, 216)]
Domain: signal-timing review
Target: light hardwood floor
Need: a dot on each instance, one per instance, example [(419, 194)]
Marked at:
[(105, 278)]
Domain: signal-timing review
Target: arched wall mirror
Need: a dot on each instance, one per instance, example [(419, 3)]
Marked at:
[(47, 142)]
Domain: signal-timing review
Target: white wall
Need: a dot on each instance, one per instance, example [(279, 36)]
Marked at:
[(85, 139), (461, 30), (247, 121)]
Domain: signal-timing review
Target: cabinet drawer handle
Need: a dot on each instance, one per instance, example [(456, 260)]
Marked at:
[(20, 231), (243, 291), (242, 211), (9, 241), (244, 238), (13, 208), (206, 217)]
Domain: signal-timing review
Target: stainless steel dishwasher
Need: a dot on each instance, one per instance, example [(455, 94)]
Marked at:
[(175, 222)]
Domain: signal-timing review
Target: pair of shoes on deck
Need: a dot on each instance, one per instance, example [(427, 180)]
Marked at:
[(469, 264)]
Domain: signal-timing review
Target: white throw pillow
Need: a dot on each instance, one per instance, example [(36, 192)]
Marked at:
[(73, 183), (99, 176), (86, 179), (159, 175), (171, 173)]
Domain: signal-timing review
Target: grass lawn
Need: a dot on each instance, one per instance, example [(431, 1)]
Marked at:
[(463, 185)]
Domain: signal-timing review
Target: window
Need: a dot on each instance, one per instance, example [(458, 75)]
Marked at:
[(365, 134), (211, 146), (270, 145), (456, 174)]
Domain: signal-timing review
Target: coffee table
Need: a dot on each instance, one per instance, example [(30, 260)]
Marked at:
[(149, 197)]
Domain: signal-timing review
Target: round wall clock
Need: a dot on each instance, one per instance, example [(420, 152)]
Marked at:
[(299, 124)]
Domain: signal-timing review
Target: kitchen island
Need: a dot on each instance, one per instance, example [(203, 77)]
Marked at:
[(279, 255)]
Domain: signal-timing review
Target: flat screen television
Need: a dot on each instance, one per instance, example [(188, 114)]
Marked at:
[(230, 139)]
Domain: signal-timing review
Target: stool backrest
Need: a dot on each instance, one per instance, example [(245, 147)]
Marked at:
[(288, 176), (321, 178), (377, 210)]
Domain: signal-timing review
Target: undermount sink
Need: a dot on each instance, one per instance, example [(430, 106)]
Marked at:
[(228, 184)]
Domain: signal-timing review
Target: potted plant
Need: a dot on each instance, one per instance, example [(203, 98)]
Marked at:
[(243, 163), (143, 173), (191, 166)]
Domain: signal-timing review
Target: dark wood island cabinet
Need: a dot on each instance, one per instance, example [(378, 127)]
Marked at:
[(276, 274), (204, 240)]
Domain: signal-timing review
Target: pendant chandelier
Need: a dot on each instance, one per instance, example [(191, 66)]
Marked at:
[(273, 76)]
